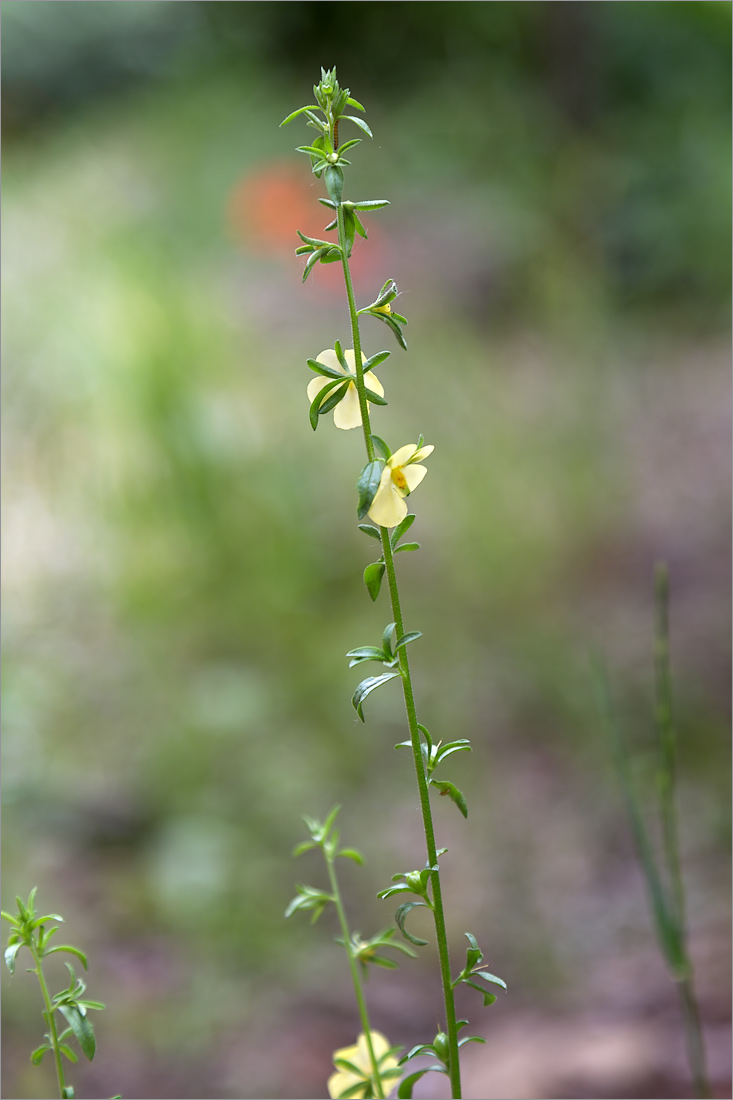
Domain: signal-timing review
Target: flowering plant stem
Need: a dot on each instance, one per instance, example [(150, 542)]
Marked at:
[(355, 974), (50, 1020), (404, 668)]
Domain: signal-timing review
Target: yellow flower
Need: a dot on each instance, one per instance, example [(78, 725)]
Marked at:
[(358, 1056), (399, 477), (347, 413)]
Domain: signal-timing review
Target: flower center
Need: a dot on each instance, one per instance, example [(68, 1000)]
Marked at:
[(399, 478)]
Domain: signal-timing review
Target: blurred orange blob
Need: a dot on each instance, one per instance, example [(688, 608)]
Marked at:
[(268, 206)]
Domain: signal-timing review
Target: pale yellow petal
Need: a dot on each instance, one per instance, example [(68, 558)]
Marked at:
[(380, 1046), (402, 455), (423, 453), (372, 383), (347, 413), (340, 1082), (329, 358), (413, 475), (316, 385), (351, 359), (388, 507)]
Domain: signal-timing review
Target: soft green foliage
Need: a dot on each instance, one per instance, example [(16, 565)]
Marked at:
[(29, 931)]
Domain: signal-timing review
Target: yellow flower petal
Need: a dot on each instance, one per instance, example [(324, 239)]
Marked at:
[(347, 413), (413, 475), (388, 507), (422, 453), (402, 455)]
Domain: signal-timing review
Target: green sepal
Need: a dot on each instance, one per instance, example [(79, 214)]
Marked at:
[(373, 578), (453, 793), (316, 407), (366, 687), (327, 372), (367, 485), (401, 915), (372, 532), (374, 361), (374, 398)]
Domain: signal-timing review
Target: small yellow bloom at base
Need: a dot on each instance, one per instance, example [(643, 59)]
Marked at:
[(358, 1056), (347, 413), (399, 477)]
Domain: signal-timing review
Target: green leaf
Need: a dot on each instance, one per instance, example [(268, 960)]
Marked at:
[(373, 532), (38, 1053), (304, 846), (389, 319), (400, 916), (349, 230), (376, 399), (311, 150), (67, 1093), (355, 103), (365, 653), (370, 204), (312, 261), (462, 745), (491, 978), (315, 406), (70, 1054), (407, 1084), (333, 177), (348, 144), (82, 1028), (71, 951), (44, 920), (352, 853), (10, 953), (471, 1039), (407, 547), (367, 485), (366, 687), (382, 447), (374, 361), (388, 639), (327, 372), (308, 107), (308, 897), (453, 793), (401, 528), (373, 578), (361, 123), (10, 918), (407, 638), (332, 401), (359, 225)]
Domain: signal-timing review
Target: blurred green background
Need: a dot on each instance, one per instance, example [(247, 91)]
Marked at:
[(182, 569)]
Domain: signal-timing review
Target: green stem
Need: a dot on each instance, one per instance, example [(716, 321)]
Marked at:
[(355, 975), (667, 777), (422, 782), (50, 1018)]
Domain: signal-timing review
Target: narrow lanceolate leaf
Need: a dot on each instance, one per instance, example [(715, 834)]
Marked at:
[(370, 204), (38, 1053), (400, 916), (375, 399), (453, 793), (317, 402), (381, 446), (367, 485), (365, 653), (366, 687), (312, 261), (401, 528), (352, 853), (407, 547), (308, 107), (374, 361), (71, 951), (349, 144), (361, 123), (372, 532), (10, 953), (373, 578), (82, 1028), (407, 1084), (327, 372), (407, 638), (353, 103)]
